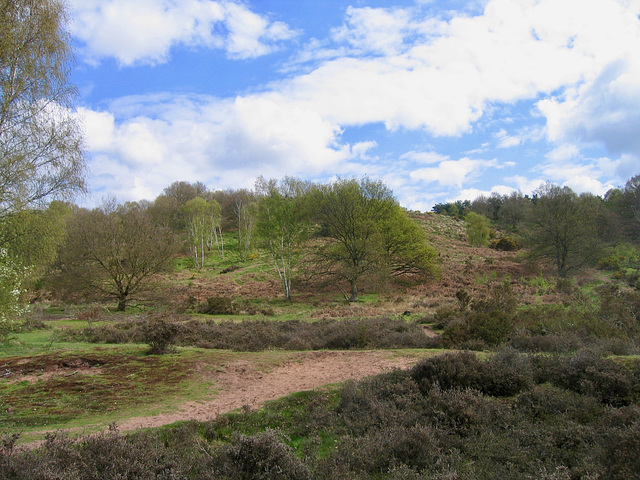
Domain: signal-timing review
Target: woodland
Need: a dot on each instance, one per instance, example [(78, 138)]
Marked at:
[(493, 338)]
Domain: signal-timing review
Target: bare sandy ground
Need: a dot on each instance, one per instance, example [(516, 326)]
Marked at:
[(241, 384)]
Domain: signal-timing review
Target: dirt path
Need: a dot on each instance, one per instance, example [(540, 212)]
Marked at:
[(242, 385)]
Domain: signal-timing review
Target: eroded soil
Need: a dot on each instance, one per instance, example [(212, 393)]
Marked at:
[(242, 384), (233, 381)]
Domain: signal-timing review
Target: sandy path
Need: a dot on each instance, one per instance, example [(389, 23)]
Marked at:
[(241, 384)]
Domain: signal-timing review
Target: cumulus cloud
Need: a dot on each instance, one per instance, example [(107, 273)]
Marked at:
[(605, 110), (223, 143), (442, 75), (144, 31), (374, 30), (401, 67)]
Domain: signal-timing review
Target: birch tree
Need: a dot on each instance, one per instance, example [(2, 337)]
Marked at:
[(283, 224), (40, 138)]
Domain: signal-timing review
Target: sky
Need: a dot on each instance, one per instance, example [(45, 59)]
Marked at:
[(442, 100)]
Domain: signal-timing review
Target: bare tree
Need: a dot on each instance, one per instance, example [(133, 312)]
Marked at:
[(114, 252)]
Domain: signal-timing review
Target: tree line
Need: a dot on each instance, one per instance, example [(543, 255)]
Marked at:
[(340, 233), (559, 226)]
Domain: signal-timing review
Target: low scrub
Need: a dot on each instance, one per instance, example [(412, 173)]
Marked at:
[(512, 416), (257, 335)]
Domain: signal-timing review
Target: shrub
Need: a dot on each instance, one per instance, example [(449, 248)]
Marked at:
[(547, 343), (217, 306), (506, 244), (621, 444), (382, 450), (589, 374), (451, 370), (384, 400), (505, 374), (159, 332), (547, 402), (262, 457), (477, 229)]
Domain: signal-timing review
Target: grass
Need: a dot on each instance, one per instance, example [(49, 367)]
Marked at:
[(71, 389), (85, 387)]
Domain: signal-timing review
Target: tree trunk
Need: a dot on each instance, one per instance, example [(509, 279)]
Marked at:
[(122, 303), (354, 291)]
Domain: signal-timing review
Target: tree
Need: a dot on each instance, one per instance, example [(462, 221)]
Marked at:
[(11, 292), (561, 229), (283, 224), (631, 207), (513, 209), (198, 228), (113, 251), (32, 237), (406, 251), (203, 228), (244, 208), (40, 139), (477, 229), (363, 224), (457, 209), (167, 208)]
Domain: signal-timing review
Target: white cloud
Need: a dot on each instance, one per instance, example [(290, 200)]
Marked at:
[(375, 30), (505, 140), (144, 31), (399, 67), (526, 185), (595, 175), (442, 76), (424, 157), (563, 152), (605, 111), (222, 143), (473, 193), (454, 172)]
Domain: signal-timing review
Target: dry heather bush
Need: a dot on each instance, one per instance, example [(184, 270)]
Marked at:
[(159, 332), (263, 457), (505, 374), (257, 335), (590, 374)]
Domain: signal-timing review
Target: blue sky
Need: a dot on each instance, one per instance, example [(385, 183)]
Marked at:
[(443, 100)]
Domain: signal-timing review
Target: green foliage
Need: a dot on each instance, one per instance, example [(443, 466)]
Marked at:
[(457, 209), (505, 244), (12, 304), (368, 234), (283, 224), (477, 229), (562, 229), (488, 322), (33, 237), (406, 251), (40, 140), (112, 252), (203, 228), (624, 261)]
